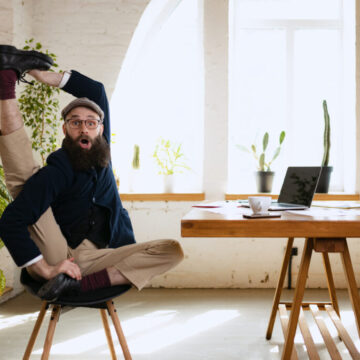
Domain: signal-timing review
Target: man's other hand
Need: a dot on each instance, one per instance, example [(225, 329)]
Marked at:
[(46, 271)]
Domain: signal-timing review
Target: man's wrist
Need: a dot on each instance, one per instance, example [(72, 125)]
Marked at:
[(41, 268), (65, 79), (33, 261)]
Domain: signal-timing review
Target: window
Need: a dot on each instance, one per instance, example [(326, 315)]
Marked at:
[(159, 93), (285, 58)]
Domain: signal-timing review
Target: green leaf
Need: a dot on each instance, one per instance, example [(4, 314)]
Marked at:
[(276, 154), (282, 137), (243, 148), (2, 282), (262, 162), (265, 141)]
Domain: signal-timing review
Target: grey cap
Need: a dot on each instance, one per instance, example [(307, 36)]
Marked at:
[(85, 102)]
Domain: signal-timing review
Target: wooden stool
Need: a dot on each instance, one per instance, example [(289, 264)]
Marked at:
[(324, 246), (100, 299)]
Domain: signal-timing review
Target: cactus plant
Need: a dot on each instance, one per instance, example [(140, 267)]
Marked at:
[(262, 164), (325, 160), (136, 157)]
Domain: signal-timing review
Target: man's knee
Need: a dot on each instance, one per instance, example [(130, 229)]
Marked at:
[(168, 248)]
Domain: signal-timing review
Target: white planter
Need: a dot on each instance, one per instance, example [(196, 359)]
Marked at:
[(134, 180), (168, 183)]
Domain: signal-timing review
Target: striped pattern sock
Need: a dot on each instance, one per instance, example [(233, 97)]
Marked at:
[(7, 84), (95, 281)]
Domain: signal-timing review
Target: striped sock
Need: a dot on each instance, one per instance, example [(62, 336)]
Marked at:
[(95, 281), (7, 84)]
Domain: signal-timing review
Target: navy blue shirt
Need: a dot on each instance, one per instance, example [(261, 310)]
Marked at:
[(69, 193)]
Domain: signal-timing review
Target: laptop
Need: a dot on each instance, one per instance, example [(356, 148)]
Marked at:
[(298, 188)]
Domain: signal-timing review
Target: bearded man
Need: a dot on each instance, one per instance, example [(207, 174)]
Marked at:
[(67, 226)]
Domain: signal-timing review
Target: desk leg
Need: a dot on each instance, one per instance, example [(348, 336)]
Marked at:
[(279, 287), (352, 287), (330, 282), (298, 297)]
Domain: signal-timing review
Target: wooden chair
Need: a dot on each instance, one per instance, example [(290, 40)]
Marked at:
[(99, 299)]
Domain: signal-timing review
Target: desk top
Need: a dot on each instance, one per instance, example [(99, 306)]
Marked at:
[(203, 223)]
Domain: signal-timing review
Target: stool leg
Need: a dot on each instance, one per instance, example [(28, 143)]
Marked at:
[(120, 334), (51, 330), (352, 287), (279, 287), (35, 332), (108, 333), (330, 282)]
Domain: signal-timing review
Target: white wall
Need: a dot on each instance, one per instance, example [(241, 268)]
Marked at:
[(93, 36)]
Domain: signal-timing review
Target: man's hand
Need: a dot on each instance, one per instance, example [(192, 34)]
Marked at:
[(46, 271)]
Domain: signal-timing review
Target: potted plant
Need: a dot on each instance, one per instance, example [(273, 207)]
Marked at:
[(134, 174), (324, 180), (5, 199), (264, 175), (170, 160)]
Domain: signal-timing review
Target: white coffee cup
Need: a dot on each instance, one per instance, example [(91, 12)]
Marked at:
[(259, 204)]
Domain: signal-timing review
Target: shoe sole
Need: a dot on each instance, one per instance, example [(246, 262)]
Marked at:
[(12, 50)]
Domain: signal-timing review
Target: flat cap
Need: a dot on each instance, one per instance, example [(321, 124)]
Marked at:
[(85, 102)]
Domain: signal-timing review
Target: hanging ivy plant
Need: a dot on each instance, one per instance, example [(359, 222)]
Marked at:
[(5, 199), (39, 105)]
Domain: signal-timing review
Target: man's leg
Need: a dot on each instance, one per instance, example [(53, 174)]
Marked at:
[(136, 263), (19, 165)]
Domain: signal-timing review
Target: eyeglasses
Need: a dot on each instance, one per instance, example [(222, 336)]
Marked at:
[(90, 124)]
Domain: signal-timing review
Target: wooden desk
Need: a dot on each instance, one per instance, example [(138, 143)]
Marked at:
[(323, 235)]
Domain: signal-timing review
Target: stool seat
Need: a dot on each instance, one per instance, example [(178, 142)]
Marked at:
[(100, 299), (95, 298)]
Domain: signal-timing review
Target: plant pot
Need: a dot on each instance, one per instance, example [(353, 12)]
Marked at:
[(168, 183), (264, 181), (324, 180), (134, 180)]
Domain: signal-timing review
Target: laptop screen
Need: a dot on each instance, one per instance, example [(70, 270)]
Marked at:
[(299, 185)]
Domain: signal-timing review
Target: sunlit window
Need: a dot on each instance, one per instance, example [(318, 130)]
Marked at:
[(286, 57), (159, 94)]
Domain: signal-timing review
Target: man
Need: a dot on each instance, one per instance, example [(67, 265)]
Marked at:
[(67, 224)]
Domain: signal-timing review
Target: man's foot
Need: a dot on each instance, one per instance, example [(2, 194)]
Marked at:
[(59, 285), (23, 60)]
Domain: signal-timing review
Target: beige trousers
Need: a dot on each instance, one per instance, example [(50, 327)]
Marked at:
[(139, 262)]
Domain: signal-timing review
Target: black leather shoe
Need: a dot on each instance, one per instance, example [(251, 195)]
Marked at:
[(23, 60), (61, 284)]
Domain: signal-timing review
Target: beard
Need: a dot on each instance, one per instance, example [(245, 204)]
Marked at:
[(97, 156)]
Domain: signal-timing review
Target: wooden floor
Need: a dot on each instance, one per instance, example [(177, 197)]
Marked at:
[(166, 324)]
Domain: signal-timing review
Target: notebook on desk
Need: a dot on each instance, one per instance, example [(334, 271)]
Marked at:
[(298, 188)]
